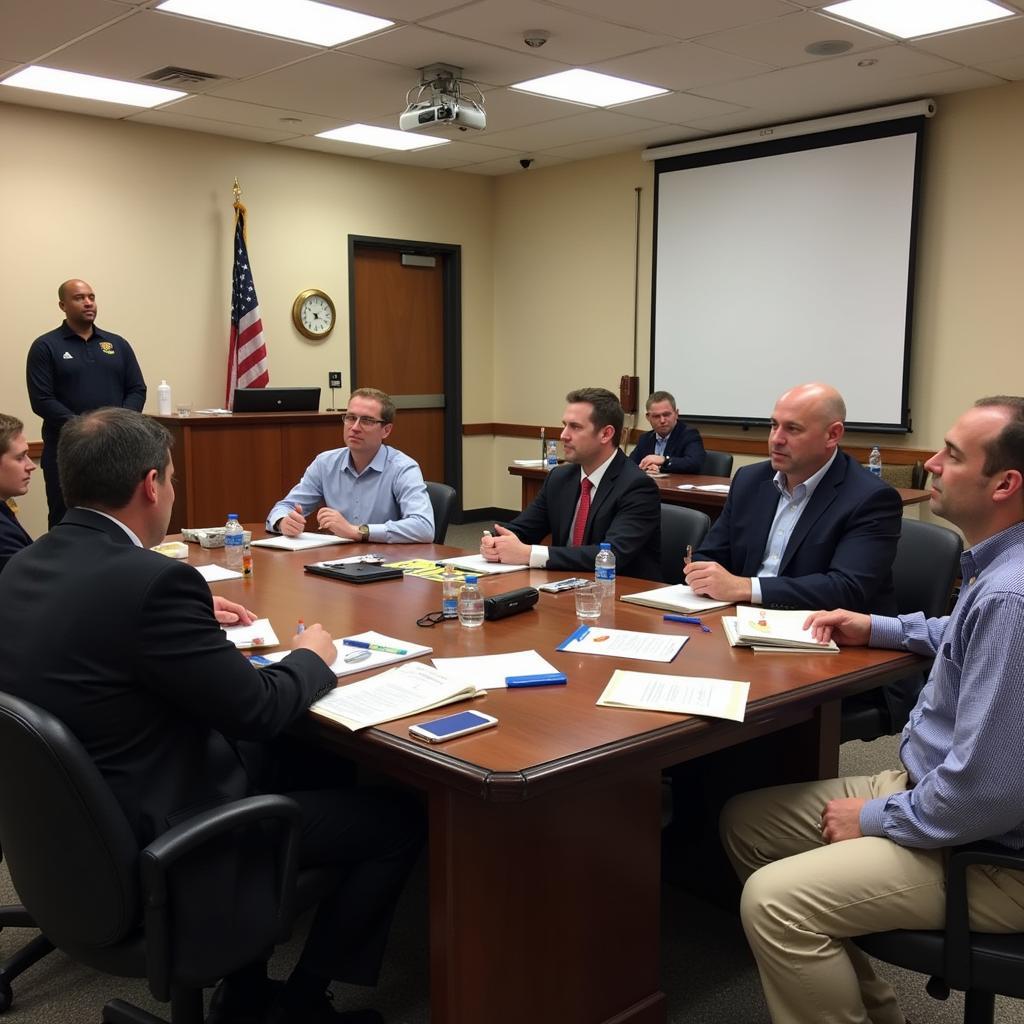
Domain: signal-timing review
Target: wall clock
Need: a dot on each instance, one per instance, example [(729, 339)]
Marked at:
[(313, 314)]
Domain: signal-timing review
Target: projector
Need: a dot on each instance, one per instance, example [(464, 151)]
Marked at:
[(454, 111), (439, 102)]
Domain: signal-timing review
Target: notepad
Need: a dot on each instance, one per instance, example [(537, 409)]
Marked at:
[(405, 690), (259, 634), (374, 659), (491, 671), (677, 598), (303, 542), (773, 631), (681, 695), (479, 565), (216, 573)]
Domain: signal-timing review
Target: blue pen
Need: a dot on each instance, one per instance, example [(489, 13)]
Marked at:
[(690, 620), (544, 679)]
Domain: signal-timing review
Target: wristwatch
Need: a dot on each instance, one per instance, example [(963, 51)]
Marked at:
[(364, 532)]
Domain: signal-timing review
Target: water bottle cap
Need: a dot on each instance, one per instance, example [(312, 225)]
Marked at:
[(232, 515), (471, 579), (606, 545)]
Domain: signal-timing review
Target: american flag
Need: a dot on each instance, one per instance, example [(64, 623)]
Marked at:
[(247, 355)]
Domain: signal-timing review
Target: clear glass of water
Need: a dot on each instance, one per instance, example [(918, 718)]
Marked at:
[(588, 601)]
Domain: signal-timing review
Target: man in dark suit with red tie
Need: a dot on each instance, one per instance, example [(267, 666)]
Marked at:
[(16, 469), (597, 495)]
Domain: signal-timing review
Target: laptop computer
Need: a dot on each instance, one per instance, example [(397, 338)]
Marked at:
[(277, 400)]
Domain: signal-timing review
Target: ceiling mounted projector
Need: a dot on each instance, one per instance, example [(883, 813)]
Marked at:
[(439, 101)]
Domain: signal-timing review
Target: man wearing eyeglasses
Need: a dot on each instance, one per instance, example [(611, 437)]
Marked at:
[(366, 491)]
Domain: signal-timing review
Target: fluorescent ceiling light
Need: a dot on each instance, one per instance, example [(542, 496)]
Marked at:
[(383, 138), (910, 18), (589, 87), (90, 87), (304, 20)]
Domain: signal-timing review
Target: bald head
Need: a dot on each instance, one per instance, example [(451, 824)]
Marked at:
[(77, 300), (807, 425)]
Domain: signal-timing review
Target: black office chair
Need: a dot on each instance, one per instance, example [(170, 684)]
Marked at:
[(679, 526), (717, 464), (980, 964), (442, 500), (926, 566), (16, 916), (209, 896)]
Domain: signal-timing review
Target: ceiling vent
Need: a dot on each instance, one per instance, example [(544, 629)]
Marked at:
[(172, 75)]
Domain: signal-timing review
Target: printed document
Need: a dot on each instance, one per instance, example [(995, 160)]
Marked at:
[(684, 695)]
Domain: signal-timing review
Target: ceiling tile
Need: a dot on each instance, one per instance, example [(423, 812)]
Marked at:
[(215, 108), (399, 10), (592, 125), (334, 147), (677, 108), (999, 41), (151, 40), (171, 119), (1012, 70), (683, 19), (416, 47), (664, 136), (575, 39), (31, 28), (682, 66), (508, 108), (510, 165), (454, 155), (781, 42)]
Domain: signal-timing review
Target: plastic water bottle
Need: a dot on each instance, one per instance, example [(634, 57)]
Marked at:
[(551, 456), (471, 604), (450, 592), (604, 569), (234, 539), (875, 461), (163, 399)]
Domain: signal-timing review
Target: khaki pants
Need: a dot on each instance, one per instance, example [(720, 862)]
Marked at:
[(803, 899)]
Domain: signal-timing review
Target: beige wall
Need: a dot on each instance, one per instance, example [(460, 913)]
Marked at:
[(548, 258)]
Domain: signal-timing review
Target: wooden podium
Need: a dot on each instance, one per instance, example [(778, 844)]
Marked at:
[(242, 463)]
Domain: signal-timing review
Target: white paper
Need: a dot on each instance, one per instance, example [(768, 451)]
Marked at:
[(479, 565), (300, 543), (215, 573), (489, 671), (714, 488), (399, 692), (529, 463), (377, 659), (686, 695), (731, 627), (259, 634), (623, 643), (678, 597)]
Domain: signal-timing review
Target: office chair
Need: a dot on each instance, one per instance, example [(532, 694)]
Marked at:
[(209, 896), (679, 526), (980, 964), (717, 464), (16, 916), (442, 501), (926, 566)]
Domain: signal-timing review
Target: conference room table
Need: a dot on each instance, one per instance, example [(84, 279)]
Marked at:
[(544, 832), (681, 489)]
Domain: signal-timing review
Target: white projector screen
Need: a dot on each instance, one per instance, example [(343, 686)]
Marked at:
[(788, 262)]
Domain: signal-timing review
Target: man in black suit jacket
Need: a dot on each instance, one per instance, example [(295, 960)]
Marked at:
[(810, 528), (672, 446), (625, 508), (16, 470), (122, 644)]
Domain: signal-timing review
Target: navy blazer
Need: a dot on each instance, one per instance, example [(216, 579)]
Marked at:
[(684, 450), (625, 511), (121, 644), (841, 551), (12, 534)]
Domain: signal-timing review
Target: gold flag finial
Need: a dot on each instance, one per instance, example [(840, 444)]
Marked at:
[(237, 191)]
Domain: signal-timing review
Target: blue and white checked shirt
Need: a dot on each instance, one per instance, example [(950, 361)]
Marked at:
[(963, 747), (389, 495)]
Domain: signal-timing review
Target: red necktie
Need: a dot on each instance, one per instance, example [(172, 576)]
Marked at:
[(582, 512)]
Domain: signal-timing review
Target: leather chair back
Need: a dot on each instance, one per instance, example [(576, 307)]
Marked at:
[(679, 526), (442, 500)]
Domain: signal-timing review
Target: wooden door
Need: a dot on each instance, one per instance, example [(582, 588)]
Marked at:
[(398, 345)]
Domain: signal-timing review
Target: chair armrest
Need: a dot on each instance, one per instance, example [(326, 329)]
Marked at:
[(160, 856), (958, 930)]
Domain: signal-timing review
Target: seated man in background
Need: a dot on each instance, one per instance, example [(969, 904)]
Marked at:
[(672, 446), (369, 491), (122, 645), (824, 861), (809, 528), (16, 470), (598, 495)]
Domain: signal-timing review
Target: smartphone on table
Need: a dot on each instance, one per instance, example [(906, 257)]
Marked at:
[(460, 724)]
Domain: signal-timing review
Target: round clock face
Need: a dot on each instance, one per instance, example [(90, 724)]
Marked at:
[(313, 314)]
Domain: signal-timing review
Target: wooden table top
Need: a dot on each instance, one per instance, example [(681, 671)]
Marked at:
[(544, 732)]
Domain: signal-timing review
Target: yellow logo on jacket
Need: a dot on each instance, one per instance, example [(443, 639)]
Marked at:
[(107, 348)]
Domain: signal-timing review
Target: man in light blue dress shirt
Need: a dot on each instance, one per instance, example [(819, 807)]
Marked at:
[(824, 861), (367, 490)]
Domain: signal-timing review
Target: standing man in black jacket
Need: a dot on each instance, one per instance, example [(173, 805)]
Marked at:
[(74, 369)]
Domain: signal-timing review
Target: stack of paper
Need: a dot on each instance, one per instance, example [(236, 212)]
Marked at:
[(768, 631), (405, 690), (623, 643), (300, 543), (399, 651), (677, 598), (684, 695), (710, 488), (489, 671), (479, 566)]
